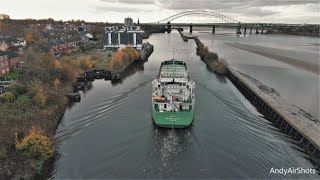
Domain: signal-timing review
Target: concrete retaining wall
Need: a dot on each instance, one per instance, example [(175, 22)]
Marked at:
[(292, 120)]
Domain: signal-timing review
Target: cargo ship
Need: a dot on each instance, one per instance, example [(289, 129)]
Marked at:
[(173, 99)]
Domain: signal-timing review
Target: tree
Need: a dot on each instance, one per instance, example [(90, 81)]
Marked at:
[(29, 38), (36, 90), (35, 143)]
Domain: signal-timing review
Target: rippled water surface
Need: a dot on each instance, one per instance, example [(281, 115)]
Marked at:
[(298, 85), (110, 133)]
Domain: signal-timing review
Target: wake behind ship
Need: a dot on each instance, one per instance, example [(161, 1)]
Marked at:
[(173, 97)]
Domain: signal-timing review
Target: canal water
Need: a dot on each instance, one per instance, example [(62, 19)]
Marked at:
[(110, 133)]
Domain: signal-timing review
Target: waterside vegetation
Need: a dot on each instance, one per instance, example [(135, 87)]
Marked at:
[(123, 58), (215, 64), (31, 109)]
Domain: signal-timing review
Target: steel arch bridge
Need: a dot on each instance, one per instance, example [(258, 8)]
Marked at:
[(199, 12)]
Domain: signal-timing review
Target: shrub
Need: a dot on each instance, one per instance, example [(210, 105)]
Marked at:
[(18, 88), (57, 83), (7, 97), (36, 89), (23, 102), (212, 56), (3, 152), (122, 58), (85, 64), (35, 144), (220, 67)]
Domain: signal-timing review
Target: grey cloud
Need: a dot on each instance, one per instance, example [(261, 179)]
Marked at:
[(247, 8), (256, 12), (102, 9), (137, 2), (213, 4)]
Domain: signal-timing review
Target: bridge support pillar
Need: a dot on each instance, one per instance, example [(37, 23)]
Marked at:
[(251, 30), (262, 30), (169, 29), (190, 29), (213, 29), (257, 30), (239, 30), (245, 30)]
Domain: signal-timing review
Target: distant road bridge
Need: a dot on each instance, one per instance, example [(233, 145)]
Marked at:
[(166, 25)]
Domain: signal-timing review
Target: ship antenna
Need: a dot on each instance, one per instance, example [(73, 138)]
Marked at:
[(172, 53)]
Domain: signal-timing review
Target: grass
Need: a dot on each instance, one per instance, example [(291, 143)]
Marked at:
[(101, 58), (13, 75)]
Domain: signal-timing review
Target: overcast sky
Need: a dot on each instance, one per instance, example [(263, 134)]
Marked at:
[(273, 11)]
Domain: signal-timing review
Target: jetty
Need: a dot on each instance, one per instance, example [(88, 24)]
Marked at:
[(75, 97), (146, 51), (184, 38)]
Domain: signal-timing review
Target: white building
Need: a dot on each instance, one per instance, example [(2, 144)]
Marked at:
[(119, 37), (4, 16)]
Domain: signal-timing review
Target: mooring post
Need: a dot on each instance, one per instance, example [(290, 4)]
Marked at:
[(278, 119), (308, 145), (287, 126), (296, 135), (291, 130), (315, 149), (213, 29), (302, 139)]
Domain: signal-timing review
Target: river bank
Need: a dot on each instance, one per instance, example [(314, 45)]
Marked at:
[(32, 108), (38, 99)]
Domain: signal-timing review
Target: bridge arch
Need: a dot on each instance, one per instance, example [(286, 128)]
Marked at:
[(199, 12)]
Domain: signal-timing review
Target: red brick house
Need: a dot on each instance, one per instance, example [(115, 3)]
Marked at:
[(14, 59), (59, 47), (4, 64)]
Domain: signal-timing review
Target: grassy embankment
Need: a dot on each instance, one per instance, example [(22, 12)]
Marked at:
[(212, 60), (31, 109)]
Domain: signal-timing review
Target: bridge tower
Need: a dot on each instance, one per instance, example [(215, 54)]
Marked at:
[(169, 27)]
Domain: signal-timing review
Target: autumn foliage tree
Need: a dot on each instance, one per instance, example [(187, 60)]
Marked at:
[(122, 58), (29, 38), (35, 144), (36, 90)]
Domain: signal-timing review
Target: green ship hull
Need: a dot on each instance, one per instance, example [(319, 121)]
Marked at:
[(181, 119)]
